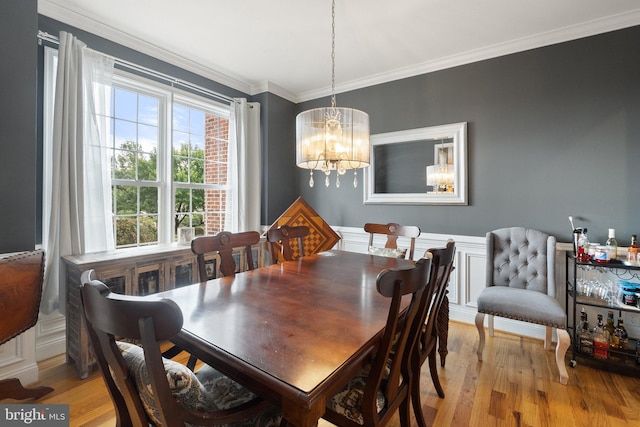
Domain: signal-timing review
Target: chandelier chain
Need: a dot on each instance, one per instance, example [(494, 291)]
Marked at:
[(333, 54)]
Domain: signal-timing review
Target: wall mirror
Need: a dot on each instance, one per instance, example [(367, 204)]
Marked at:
[(418, 166)]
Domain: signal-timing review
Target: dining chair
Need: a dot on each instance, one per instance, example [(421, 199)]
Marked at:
[(223, 244), (520, 285), (431, 325), (287, 243), (147, 388), (381, 387), (21, 278), (392, 231)]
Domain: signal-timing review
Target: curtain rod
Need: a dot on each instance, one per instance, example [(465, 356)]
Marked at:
[(44, 36)]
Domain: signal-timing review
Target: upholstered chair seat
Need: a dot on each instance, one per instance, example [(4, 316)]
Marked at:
[(523, 305), (348, 401), (207, 390)]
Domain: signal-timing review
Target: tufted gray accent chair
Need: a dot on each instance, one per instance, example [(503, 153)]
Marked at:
[(521, 286)]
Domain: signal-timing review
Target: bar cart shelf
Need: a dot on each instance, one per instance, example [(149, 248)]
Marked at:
[(624, 362)]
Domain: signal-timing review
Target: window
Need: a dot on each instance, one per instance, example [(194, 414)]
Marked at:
[(168, 155), (166, 146)]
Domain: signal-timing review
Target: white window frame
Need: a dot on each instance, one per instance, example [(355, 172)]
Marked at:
[(167, 96)]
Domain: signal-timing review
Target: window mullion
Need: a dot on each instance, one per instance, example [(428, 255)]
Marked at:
[(165, 170)]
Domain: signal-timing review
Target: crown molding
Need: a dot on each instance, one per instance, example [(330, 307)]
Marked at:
[(591, 28), (85, 23), (273, 88), (603, 25)]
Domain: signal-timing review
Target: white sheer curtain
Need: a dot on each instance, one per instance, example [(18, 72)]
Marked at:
[(244, 171), (78, 188)]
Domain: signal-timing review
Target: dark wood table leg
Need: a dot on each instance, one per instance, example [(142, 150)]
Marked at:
[(12, 389), (443, 329)]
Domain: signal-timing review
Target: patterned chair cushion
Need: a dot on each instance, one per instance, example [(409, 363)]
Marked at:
[(388, 252), (348, 401), (206, 390)]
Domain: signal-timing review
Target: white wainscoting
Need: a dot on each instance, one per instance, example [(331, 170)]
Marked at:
[(50, 335), (19, 357), (468, 277)]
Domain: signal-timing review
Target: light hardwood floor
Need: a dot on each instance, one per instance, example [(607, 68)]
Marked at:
[(515, 385)]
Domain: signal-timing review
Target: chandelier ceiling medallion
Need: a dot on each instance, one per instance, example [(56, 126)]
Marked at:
[(332, 138)]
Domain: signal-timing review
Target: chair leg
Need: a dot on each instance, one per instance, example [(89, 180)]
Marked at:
[(12, 388), (480, 326), (434, 373), (561, 349), (405, 413), (547, 338), (191, 363), (490, 324), (443, 329), (415, 397)]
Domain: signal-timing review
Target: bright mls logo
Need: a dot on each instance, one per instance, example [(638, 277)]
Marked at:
[(34, 415)]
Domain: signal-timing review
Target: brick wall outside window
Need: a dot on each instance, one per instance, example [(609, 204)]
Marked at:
[(217, 155)]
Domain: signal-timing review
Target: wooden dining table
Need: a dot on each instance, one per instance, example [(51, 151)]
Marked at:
[(293, 332)]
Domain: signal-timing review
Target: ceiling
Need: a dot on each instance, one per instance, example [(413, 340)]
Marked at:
[(284, 46)]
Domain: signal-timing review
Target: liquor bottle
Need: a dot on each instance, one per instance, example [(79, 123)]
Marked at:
[(632, 251), (583, 246), (621, 333), (585, 337), (612, 244), (600, 344), (609, 327), (614, 340)]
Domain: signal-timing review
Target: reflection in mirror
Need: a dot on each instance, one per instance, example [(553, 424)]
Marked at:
[(418, 166), (440, 175)]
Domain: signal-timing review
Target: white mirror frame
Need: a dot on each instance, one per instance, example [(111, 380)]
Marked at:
[(455, 131)]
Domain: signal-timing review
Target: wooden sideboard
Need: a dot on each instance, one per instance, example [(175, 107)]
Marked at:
[(135, 271)]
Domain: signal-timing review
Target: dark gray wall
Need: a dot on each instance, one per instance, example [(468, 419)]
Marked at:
[(18, 28), (553, 132)]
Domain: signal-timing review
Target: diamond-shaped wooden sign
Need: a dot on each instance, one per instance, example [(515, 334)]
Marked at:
[(321, 236)]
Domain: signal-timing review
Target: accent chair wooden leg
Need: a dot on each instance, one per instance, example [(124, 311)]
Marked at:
[(480, 326), (547, 338), (490, 324), (561, 349)]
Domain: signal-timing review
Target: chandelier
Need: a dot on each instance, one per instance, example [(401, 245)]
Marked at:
[(441, 175), (332, 138)]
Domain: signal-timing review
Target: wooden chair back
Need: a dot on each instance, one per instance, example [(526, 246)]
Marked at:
[(223, 244), (393, 231), (390, 371), (151, 321), (282, 240), (430, 323), (442, 260)]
